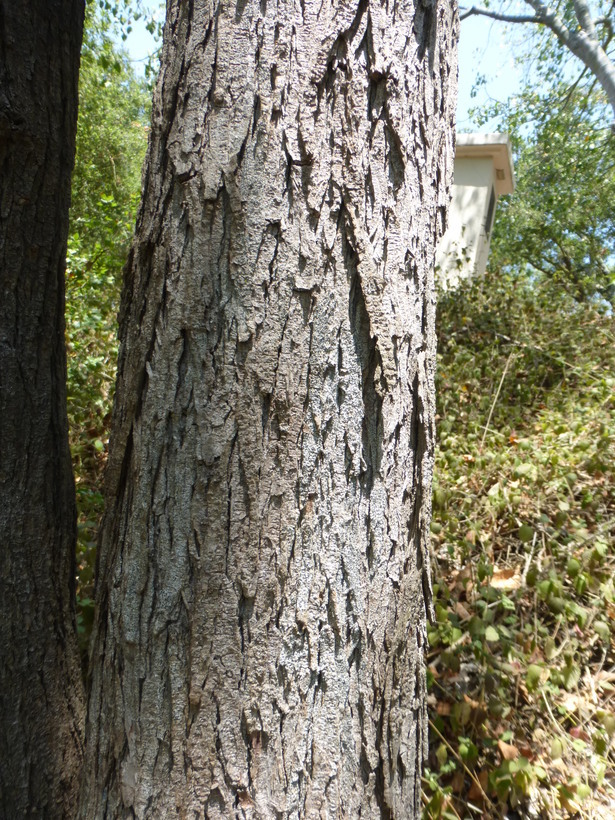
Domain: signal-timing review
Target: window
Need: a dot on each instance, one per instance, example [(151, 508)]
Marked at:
[(490, 212)]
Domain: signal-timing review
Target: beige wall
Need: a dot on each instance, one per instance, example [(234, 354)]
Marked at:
[(464, 248), (483, 172)]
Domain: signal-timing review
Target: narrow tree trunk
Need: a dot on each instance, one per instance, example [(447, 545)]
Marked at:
[(41, 699), (264, 576)]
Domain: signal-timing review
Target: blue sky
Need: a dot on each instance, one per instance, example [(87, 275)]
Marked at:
[(485, 49)]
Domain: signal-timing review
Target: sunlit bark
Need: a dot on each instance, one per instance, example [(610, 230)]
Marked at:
[(264, 575)]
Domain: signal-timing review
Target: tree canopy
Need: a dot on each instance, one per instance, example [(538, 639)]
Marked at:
[(579, 27), (561, 219)]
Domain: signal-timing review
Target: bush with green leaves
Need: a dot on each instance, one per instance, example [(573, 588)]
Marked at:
[(521, 659), (560, 221), (114, 112)]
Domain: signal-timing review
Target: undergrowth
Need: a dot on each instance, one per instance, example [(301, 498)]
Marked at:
[(114, 107), (521, 668)]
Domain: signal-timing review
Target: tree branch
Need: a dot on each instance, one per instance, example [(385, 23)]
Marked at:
[(574, 86), (607, 24), (494, 15), (583, 43), (584, 17)]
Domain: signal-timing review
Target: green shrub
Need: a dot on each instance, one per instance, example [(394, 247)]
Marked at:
[(524, 549), (114, 109)]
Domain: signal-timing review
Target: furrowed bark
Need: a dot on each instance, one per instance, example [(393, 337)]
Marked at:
[(263, 578), (41, 698)]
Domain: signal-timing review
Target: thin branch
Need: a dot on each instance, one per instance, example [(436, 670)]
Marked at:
[(610, 32), (468, 771), (582, 42), (607, 23), (573, 87), (553, 21), (558, 359), (494, 15)]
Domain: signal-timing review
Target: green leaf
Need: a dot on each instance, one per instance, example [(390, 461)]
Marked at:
[(603, 631), (533, 676), (526, 533), (441, 754), (571, 675), (608, 721), (573, 567), (491, 634)]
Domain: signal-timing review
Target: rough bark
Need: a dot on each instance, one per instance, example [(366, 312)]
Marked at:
[(41, 698), (263, 567)]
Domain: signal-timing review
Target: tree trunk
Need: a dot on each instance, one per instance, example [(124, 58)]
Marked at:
[(263, 568), (41, 701)]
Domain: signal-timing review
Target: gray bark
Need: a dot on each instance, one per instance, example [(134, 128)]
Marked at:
[(263, 567), (41, 697)]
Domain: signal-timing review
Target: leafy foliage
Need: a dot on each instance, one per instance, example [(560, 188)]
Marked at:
[(561, 219), (521, 665), (114, 110), (120, 17)]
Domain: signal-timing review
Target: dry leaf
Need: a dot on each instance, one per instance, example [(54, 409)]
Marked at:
[(506, 579), (462, 611), (508, 751), (522, 689), (527, 752), (572, 702), (477, 790), (478, 710), (604, 679), (580, 734), (559, 764), (457, 783)]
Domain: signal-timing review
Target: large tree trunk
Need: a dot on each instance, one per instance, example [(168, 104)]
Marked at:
[(263, 574), (41, 702)]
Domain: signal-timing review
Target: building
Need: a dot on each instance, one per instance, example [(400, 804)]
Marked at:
[(483, 172)]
